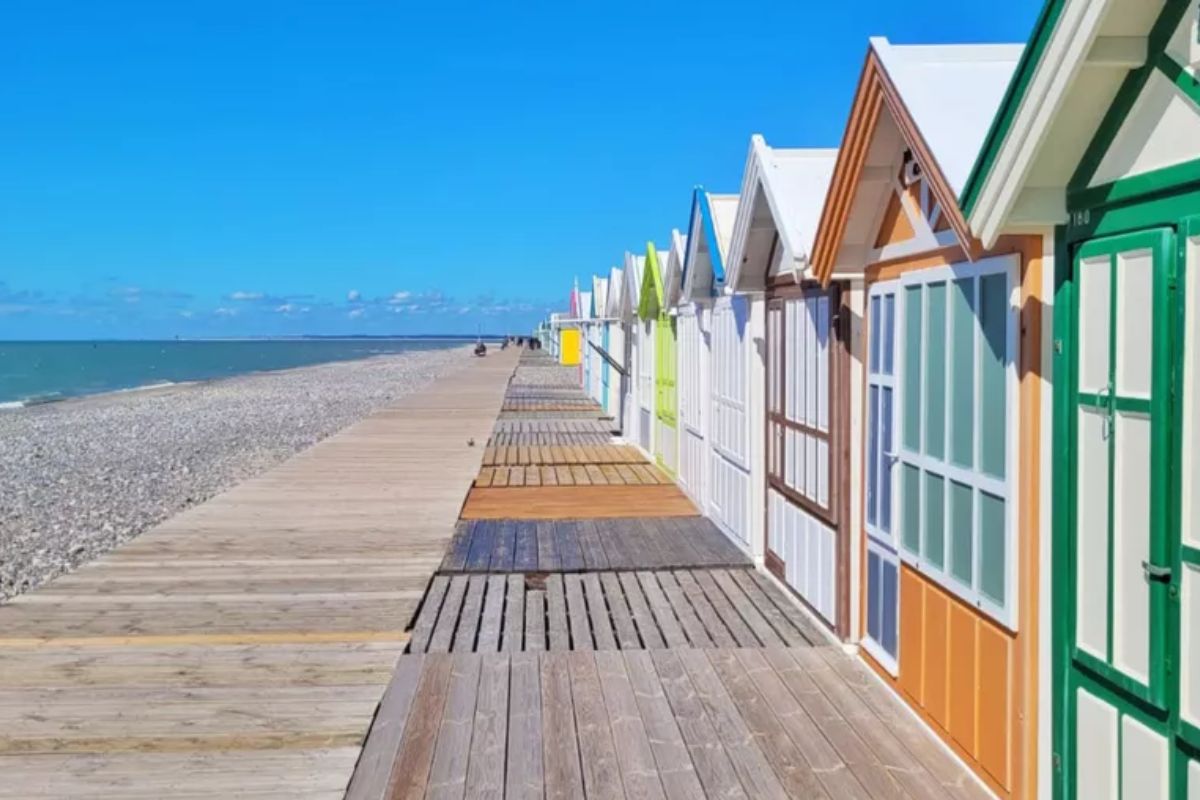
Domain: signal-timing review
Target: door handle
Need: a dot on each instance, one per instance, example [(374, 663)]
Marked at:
[(1155, 573)]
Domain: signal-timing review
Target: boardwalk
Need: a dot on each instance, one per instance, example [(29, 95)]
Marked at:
[(242, 647), (605, 641)]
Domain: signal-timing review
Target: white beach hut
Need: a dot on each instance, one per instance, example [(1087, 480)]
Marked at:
[(586, 354), (638, 403), (597, 335), (614, 344), (798, 466)]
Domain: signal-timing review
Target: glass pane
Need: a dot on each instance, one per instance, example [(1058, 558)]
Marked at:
[(911, 487), (993, 566), (876, 334), (912, 368), (889, 332), (1132, 497), (1135, 322), (890, 607), (935, 371), (962, 373), (935, 520), (993, 410), (874, 598), (1091, 533), (885, 479), (962, 532)]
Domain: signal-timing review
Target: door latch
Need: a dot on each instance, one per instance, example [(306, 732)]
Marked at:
[(1155, 573)]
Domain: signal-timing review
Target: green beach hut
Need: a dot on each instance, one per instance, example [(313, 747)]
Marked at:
[(654, 309)]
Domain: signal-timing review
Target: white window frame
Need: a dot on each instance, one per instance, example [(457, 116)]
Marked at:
[(1007, 488), (885, 545)]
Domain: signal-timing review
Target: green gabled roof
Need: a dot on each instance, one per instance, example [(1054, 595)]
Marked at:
[(1003, 120), (652, 285)]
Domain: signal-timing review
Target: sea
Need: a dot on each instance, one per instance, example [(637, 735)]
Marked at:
[(41, 372)]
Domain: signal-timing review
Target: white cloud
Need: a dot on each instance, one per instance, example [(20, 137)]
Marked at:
[(356, 313), (465, 310), (291, 308), (246, 296), (187, 314), (354, 295), (226, 312), (399, 297)]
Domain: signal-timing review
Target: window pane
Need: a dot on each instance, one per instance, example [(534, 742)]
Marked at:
[(912, 368), (993, 568), (874, 592), (993, 422), (889, 332), (962, 532), (935, 372), (885, 479), (873, 455), (935, 520), (911, 486), (962, 373), (890, 610), (876, 334)]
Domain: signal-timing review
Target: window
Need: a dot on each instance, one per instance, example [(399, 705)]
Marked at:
[(800, 332), (883, 563), (957, 384)]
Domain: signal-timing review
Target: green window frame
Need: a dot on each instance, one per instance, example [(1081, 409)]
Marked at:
[(957, 414)]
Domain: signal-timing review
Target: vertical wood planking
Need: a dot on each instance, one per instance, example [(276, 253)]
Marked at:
[(485, 777), (523, 773), (448, 773), (410, 773), (598, 757), (560, 749)]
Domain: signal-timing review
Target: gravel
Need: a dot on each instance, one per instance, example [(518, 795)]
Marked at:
[(81, 477)]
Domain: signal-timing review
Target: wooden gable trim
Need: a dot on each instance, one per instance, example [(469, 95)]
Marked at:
[(874, 90)]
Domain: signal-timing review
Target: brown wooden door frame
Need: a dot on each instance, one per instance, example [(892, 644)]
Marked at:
[(837, 515)]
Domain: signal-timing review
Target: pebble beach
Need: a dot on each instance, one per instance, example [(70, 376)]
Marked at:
[(80, 477)]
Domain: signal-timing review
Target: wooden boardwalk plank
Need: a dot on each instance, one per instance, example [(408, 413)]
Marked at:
[(668, 625), (560, 750), (430, 608), (468, 622), (618, 607), (690, 618), (674, 763), (602, 626), (643, 619), (448, 773), (597, 751), (535, 620), (577, 613), (523, 774), (447, 621), (370, 778), (410, 773), (558, 634), (493, 608), (489, 735), (514, 615), (638, 769)]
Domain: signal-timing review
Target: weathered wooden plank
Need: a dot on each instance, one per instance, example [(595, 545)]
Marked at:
[(598, 756), (548, 559), (602, 626), (525, 550), (618, 608), (483, 538), (674, 763), (447, 621), (448, 773), (456, 554), (639, 772), (493, 608), (370, 778), (697, 636), (503, 547), (485, 777), (753, 768), (729, 615), (535, 620), (794, 615), (755, 620), (514, 615), (523, 775), (699, 732), (715, 629), (792, 636), (566, 536), (431, 606), (468, 622), (559, 635), (577, 613), (590, 545), (410, 773), (560, 746), (643, 619), (668, 625), (609, 535)]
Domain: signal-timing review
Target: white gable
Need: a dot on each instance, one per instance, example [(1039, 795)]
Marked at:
[(1161, 130)]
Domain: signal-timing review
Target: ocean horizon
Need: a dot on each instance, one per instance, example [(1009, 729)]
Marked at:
[(42, 371)]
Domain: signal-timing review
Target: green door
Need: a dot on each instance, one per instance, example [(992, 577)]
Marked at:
[(666, 399), (1118, 644)]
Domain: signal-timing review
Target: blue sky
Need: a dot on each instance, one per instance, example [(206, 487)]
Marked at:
[(230, 168)]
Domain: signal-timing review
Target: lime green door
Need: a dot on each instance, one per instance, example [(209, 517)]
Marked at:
[(666, 398), (1118, 643)]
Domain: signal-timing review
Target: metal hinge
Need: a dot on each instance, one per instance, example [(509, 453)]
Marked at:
[(1155, 573)]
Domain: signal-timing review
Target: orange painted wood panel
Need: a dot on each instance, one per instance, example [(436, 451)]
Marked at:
[(573, 502), (995, 702), (964, 677), (912, 630), (937, 654)]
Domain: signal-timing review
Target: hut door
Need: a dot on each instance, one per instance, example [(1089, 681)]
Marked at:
[(1121, 653), (883, 561)]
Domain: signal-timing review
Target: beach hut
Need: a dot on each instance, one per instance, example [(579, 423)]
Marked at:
[(691, 321), (598, 337), (614, 345), (639, 344), (809, 410), (654, 310), (1098, 146), (586, 355), (952, 440)]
